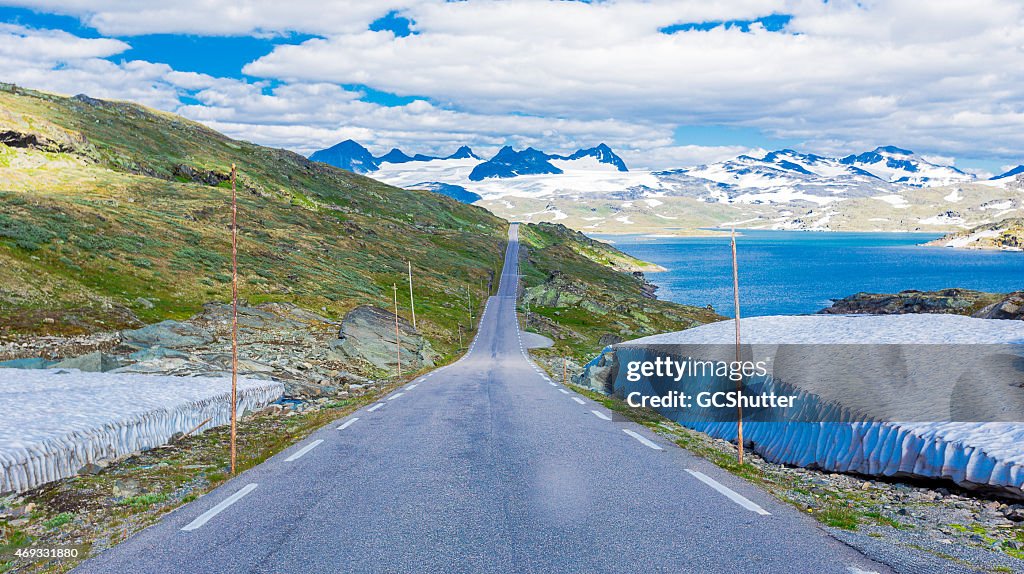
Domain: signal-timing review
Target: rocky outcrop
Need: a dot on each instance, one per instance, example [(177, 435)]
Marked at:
[(367, 335), (945, 301), (1007, 235), (1011, 307), (600, 374), (208, 177)]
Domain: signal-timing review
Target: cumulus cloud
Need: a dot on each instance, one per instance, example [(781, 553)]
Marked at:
[(940, 77)]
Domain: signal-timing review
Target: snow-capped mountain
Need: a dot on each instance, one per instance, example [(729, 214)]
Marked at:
[(349, 155), (1010, 173), (464, 152), (896, 165), (510, 163), (602, 154)]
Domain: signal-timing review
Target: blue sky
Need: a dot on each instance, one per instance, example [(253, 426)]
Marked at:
[(665, 83)]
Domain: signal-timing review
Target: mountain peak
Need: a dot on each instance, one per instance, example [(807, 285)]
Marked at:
[(509, 163), (464, 152), (350, 155), (891, 149), (395, 156), (1017, 170), (601, 152)]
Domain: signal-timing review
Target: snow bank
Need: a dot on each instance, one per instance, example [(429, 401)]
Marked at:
[(841, 424), (56, 421)]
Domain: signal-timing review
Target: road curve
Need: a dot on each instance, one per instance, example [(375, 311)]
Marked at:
[(484, 466)]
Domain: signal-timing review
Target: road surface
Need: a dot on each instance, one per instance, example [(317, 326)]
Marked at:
[(484, 466)]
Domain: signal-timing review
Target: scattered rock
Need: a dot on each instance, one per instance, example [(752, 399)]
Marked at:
[(95, 362)]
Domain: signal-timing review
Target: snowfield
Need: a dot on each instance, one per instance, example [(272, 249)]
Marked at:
[(902, 423), (57, 421)]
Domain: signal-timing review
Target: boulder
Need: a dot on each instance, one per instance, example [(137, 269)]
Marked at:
[(600, 375), (95, 362), (367, 335), (1011, 307), (168, 334)]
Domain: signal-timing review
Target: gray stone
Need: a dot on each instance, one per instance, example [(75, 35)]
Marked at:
[(95, 362), (368, 335), (144, 303), (168, 334)]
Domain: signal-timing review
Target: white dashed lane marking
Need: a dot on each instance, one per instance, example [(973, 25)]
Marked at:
[(395, 396), (601, 415), (374, 407), (578, 400), (348, 423), (643, 440), (221, 507), (563, 391), (304, 450), (728, 492)]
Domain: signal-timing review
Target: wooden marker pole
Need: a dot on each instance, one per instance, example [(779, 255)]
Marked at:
[(565, 370), (398, 333), (736, 306), (412, 301), (234, 319)]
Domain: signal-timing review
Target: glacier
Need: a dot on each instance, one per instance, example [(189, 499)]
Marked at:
[(840, 426), (56, 421)]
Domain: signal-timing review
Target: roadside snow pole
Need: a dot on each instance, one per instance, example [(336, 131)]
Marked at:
[(565, 370), (412, 302), (398, 334), (736, 306), (460, 336), (234, 319)]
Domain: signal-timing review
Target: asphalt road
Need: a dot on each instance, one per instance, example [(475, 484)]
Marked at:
[(484, 466)]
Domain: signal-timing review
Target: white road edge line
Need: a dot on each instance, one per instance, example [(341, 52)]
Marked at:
[(348, 423), (601, 415), (395, 396), (304, 450), (221, 507), (728, 492), (643, 440), (374, 407), (410, 387), (552, 383), (579, 400), (563, 391)]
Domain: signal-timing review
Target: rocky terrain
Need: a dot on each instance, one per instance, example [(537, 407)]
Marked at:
[(1005, 235), (314, 356), (946, 301)]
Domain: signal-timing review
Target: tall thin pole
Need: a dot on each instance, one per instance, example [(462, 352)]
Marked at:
[(412, 301), (234, 319), (460, 336), (736, 306), (398, 335), (469, 305), (565, 370)]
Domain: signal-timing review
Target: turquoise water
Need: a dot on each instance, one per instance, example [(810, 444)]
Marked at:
[(794, 272)]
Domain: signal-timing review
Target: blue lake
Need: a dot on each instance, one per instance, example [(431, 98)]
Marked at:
[(794, 272)]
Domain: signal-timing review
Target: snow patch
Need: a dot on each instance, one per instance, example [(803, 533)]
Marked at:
[(64, 419)]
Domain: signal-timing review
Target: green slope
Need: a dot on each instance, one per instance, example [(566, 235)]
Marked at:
[(103, 204), (573, 298)]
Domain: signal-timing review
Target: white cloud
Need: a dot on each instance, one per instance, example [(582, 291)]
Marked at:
[(942, 77)]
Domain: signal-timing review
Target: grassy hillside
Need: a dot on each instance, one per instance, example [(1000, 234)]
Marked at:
[(574, 299), (112, 214)]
